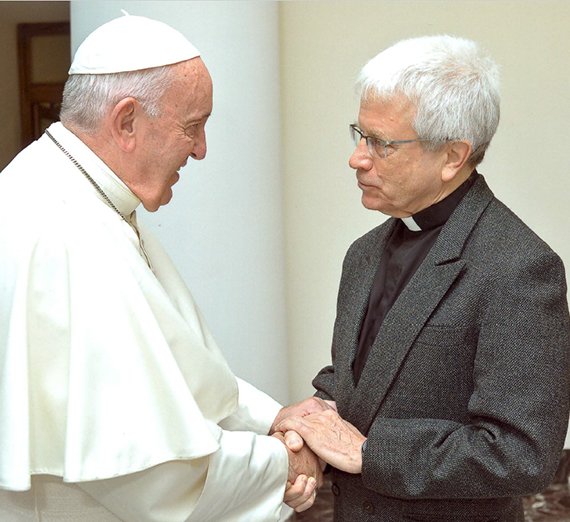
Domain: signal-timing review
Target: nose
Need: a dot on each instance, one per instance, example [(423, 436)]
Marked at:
[(361, 158), (199, 148)]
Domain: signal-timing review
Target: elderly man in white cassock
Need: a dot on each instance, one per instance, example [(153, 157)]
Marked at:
[(115, 402)]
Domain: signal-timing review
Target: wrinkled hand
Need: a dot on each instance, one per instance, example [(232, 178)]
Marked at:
[(332, 404), (311, 405), (301, 409), (304, 478), (333, 439)]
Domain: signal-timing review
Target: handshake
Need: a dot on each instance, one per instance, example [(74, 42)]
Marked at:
[(315, 435)]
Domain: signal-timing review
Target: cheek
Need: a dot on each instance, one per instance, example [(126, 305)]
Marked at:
[(183, 150), (391, 172), (172, 159)]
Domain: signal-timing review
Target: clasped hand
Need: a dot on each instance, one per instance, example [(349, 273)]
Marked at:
[(335, 440), (331, 439), (305, 468)]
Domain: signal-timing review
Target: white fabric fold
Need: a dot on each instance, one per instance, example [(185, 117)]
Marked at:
[(256, 411), (242, 482)]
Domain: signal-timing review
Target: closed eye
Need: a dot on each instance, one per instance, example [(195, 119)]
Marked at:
[(192, 130)]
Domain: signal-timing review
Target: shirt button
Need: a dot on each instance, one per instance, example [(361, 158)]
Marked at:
[(335, 490), (368, 507)]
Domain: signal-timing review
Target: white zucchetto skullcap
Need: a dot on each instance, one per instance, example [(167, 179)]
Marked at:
[(131, 43)]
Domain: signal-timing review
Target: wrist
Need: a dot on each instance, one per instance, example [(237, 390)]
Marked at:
[(276, 421)]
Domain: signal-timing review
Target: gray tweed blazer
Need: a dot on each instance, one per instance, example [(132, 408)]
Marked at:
[(466, 393)]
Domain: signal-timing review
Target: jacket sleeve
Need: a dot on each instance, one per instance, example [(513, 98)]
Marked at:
[(324, 383), (517, 412)]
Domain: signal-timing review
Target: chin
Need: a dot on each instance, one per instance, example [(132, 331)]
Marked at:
[(154, 203), (151, 206), (165, 199), (378, 207), (370, 204)]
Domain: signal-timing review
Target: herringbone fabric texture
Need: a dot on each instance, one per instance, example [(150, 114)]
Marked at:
[(465, 394)]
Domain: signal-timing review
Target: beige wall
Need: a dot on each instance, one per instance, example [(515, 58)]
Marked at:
[(323, 45), (11, 14)]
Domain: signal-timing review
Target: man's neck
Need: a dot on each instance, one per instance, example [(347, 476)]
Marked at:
[(101, 145), (458, 180)]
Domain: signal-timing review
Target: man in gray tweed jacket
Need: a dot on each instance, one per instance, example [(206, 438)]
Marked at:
[(449, 384)]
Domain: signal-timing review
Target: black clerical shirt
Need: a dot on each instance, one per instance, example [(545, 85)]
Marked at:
[(407, 246)]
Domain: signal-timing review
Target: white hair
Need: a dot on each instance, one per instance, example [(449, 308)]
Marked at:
[(451, 82), (87, 98)]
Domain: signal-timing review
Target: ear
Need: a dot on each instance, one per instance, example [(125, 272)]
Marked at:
[(123, 121), (458, 153)]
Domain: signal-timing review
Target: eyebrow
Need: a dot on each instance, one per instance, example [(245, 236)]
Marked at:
[(194, 121)]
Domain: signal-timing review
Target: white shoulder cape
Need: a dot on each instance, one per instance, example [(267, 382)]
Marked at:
[(105, 368)]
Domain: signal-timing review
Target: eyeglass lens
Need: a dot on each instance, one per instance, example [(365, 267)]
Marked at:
[(375, 149)]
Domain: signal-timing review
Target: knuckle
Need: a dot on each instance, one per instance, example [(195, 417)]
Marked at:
[(313, 403)]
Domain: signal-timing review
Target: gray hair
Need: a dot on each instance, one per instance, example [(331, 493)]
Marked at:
[(454, 86), (87, 98)]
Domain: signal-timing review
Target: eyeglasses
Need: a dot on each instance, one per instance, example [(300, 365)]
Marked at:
[(376, 147)]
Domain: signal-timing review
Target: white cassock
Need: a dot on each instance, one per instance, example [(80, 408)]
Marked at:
[(115, 402)]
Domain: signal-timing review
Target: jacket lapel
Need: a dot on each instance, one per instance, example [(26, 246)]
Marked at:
[(413, 307)]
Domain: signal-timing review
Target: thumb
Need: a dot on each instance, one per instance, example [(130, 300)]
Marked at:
[(293, 440)]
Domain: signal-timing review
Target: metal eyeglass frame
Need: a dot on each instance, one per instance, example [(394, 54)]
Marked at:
[(372, 142)]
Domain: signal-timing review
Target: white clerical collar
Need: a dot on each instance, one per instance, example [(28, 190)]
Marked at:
[(437, 214), (411, 224), (121, 195)]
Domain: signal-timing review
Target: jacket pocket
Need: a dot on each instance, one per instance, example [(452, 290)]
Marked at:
[(433, 335)]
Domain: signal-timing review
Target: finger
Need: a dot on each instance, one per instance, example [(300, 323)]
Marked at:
[(308, 503), (294, 493), (290, 424), (293, 440), (305, 495)]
